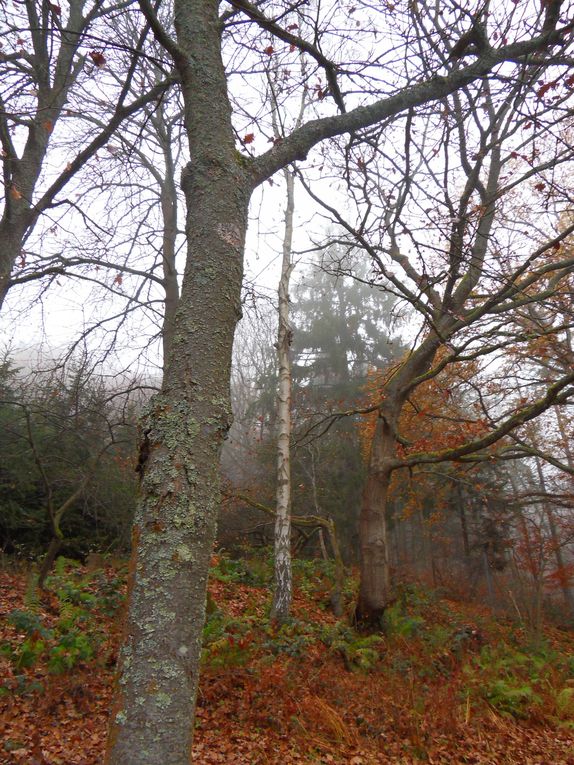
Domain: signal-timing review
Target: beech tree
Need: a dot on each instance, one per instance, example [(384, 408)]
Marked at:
[(186, 423), (470, 285)]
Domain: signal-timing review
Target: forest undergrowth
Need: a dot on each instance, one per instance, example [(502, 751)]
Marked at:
[(442, 682)]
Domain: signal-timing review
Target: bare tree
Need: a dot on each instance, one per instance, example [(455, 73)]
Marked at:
[(283, 575), (53, 70), (453, 237)]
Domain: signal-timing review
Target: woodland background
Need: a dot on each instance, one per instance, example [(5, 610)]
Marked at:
[(400, 448)]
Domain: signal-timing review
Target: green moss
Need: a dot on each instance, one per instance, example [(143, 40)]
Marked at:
[(163, 700), (184, 553)]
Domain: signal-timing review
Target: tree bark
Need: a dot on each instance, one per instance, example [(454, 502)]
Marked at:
[(184, 427), (375, 588), (283, 575), (374, 593), (53, 549)]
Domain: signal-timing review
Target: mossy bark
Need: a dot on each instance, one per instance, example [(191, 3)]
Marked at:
[(184, 427)]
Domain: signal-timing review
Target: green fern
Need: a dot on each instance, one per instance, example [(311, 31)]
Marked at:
[(32, 594)]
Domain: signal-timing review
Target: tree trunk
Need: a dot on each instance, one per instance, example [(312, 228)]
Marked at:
[(171, 287), (336, 597), (283, 575), (374, 593), (53, 549), (463, 524), (184, 427)]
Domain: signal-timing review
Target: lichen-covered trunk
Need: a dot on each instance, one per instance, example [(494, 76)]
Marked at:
[(374, 593), (184, 427), (283, 575), (169, 216)]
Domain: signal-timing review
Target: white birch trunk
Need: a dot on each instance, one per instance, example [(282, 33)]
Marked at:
[(283, 577)]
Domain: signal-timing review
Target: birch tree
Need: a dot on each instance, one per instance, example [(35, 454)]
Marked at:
[(283, 575), (282, 539)]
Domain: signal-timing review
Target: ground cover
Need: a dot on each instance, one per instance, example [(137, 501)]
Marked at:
[(444, 682)]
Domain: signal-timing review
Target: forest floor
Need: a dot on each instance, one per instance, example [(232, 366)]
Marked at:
[(445, 683)]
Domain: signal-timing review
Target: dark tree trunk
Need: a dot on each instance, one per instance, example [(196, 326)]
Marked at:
[(53, 549), (184, 428)]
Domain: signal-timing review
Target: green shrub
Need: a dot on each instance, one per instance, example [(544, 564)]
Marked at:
[(253, 571), (361, 653), (511, 697), (226, 641), (396, 621), (28, 622), (75, 634), (72, 648), (517, 680), (565, 704), (292, 638)]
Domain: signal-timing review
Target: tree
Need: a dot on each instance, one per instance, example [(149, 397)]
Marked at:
[(186, 423), (49, 67), (343, 327), (66, 481), (462, 271), (282, 539)]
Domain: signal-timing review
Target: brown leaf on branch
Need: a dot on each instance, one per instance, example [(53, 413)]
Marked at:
[(98, 58)]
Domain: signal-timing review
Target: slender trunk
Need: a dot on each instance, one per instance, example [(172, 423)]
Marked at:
[(53, 549), (566, 440), (283, 575), (465, 537), (336, 596), (535, 567), (170, 285), (488, 577), (428, 558), (184, 427), (463, 524), (322, 548), (56, 517)]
